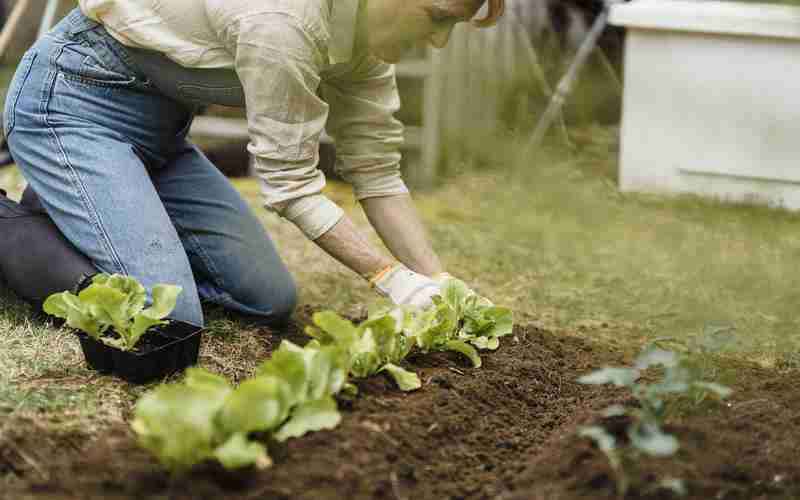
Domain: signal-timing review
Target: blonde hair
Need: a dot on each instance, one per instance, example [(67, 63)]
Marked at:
[(496, 9)]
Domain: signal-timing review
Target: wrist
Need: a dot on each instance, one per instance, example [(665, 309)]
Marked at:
[(382, 272), (441, 277)]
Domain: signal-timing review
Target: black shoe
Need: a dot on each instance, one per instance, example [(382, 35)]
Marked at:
[(30, 201), (5, 155), (36, 260)]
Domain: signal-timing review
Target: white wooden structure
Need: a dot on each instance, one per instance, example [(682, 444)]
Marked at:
[(711, 104)]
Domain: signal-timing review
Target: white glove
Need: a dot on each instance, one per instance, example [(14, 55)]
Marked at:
[(405, 287)]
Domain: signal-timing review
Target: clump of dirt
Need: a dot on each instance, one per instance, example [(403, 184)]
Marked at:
[(503, 431)]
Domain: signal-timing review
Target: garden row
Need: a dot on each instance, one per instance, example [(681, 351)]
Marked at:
[(293, 392), (296, 391)]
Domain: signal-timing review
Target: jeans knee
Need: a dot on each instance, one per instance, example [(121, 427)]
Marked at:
[(272, 299), (285, 307), (188, 310)]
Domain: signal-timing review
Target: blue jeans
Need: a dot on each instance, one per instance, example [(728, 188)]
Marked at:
[(108, 156)]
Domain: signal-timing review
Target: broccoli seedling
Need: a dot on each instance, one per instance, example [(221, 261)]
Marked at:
[(645, 433)]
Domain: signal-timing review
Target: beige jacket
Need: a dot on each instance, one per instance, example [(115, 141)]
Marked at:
[(301, 72)]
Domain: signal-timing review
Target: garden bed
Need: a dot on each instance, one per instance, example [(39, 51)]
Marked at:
[(505, 431)]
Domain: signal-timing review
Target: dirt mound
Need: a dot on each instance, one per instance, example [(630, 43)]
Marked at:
[(745, 448), (504, 431)]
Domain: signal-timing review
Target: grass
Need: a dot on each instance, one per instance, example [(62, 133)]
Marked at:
[(550, 237)]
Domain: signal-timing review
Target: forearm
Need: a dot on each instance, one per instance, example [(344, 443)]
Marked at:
[(396, 220), (346, 244)]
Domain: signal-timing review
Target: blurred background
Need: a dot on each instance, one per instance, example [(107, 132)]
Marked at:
[(542, 226), (509, 71)]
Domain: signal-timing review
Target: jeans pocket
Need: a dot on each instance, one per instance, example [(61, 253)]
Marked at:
[(79, 62), (15, 89)]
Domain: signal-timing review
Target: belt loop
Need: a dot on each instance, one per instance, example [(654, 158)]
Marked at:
[(79, 23)]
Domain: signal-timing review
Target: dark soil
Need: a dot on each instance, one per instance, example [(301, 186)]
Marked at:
[(505, 431)]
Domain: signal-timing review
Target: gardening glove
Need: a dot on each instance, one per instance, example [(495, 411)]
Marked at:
[(405, 287)]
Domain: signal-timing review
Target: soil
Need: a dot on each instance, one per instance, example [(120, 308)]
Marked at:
[(506, 431)]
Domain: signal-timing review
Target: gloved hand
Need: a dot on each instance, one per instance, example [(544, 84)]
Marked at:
[(405, 287)]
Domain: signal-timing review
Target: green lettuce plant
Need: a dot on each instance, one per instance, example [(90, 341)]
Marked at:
[(314, 376), (460, 320), (645, 433), (376, 345), (206, 418), (114, 302)]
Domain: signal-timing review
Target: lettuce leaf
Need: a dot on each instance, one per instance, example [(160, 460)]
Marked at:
[(239, 452), (116, 302), (406, 380), (206, 418), (308, 417), (257, 405), (176, 422), (69, 307), (371, 347), (460, 320)]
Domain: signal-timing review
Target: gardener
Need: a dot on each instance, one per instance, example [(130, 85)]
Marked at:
[(98, 112)]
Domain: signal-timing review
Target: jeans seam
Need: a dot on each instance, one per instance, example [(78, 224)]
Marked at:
[(91, 211), (122, 84), (29, 60), (214, 273)]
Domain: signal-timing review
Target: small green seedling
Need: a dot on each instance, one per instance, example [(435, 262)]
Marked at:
[(645, 433), (114, 302), (206, 418), (376, 345), (698, 354), (460, 320)]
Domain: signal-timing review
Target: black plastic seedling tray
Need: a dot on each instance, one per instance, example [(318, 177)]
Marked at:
[(162, 351)]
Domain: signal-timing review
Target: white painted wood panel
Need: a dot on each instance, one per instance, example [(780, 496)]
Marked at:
[(710, 113)]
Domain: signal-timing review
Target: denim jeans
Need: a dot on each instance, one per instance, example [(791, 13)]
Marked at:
[(108, 156)]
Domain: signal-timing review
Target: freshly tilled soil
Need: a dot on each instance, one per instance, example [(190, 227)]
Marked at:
[(505, 431)]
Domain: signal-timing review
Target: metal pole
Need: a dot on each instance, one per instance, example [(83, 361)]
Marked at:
[(48, 18), (11, 25), (539, 73), (569, 79)]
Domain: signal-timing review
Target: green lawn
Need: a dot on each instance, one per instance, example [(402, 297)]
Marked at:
[(551, 237)]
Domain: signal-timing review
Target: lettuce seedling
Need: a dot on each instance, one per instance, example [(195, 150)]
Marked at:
[(646, 434), (114, 302), (205, 418), (460, 320), (314, 376), (176, 422), (376, 345)]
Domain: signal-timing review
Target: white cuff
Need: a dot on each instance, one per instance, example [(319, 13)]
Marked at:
[(314, 215), (370, 180), (375, 188)]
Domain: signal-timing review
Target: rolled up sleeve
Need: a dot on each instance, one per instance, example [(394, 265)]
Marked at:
[(278, 64), (368, 136)]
